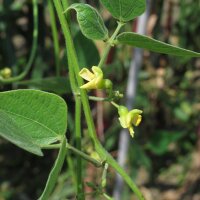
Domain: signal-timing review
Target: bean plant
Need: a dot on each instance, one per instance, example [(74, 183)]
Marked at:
[(35, 120)]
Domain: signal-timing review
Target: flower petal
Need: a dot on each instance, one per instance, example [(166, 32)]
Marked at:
[(122, 110), (137, 119), (86, 74), (129, 118), (136, 111), (98, 76), (99, 82), (90, 85), (97, 71), (131, 131), (123, 123)]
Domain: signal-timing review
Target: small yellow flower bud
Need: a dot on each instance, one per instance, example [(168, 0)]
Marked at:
[(6, 73), (108, 84)]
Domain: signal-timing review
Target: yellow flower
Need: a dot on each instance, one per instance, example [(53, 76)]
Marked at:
[(94, 78), (128, 119)]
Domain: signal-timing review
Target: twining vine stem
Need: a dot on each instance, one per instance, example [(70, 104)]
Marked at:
[(86, 157), (55, 36), (74, 87), (33, 49)]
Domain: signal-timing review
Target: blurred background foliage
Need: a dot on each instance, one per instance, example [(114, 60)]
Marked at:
[(164, 157)]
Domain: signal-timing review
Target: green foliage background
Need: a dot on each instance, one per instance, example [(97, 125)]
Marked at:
[(168, 92)]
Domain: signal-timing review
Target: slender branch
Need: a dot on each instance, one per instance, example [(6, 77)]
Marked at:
[(107, 197), (74, 87), (55, 36), (114, 104), (93, 98), (86, 157), (95, 162), (110, 44), (78, 146), (33, 49), (70, 165), (72, 78)]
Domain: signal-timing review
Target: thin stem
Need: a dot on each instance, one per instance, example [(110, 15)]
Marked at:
[(110, 44), (114, 104), (95, 162), (65, 4), (78, 145), (104, 176), (71, 166), (55, 36), (86, 157), (80, 188), (93, 98), (90, 123), (72, 78), (74, 67), (107, 197), (33, 48)]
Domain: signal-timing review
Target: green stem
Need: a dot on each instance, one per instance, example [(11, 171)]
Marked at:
[(95, 162), (114, 104), (104, 176), (78, 146), (55, 36), (80, 188), (90, 123), (93, 98), (53, 176), (107, 197), (86, 157), (72, 78), (110, 44), (65, 4), (33, 49), (71, 166)]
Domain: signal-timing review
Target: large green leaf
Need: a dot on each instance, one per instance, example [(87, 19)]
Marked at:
[(58, 85), (125, 10), (151, 44), (41, 116), (90, 22), (10, 131)]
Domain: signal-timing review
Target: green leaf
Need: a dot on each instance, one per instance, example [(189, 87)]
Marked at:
[(41, 116), (53, 176), (151, 44), (58, 85), (90, 22), (10, 131), (125, 10)]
